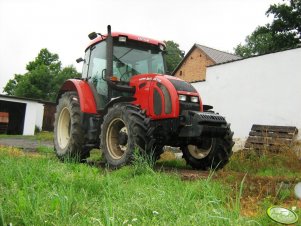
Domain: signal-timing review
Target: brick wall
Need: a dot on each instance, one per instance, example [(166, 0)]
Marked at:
[(194, 66)]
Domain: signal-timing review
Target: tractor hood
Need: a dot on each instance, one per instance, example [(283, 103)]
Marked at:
[(179, 85), (167, 95)]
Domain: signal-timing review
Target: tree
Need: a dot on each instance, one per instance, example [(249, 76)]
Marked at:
[(174, 55), (12, 84), (43, 78), (284, 31)]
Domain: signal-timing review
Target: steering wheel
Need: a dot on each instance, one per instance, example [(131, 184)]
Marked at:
[(123, 75)]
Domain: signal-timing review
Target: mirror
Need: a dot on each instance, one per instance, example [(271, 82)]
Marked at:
[(79, 60), (92, 35)]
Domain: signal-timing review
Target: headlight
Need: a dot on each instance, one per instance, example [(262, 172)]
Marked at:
[(182, 97), (122, 38), (194, 99)]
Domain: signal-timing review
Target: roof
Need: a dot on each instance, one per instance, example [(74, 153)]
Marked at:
[(129, 36), (26, 99), (215, 55), (218, 56), (259, 55)]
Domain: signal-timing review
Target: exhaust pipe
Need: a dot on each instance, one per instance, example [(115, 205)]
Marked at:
[(109, 70)]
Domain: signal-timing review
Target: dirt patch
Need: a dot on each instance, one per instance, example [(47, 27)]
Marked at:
[(185, 174), (255, 189), (25, 144)]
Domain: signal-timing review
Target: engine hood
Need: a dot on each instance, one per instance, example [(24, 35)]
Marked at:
[(178, 84)]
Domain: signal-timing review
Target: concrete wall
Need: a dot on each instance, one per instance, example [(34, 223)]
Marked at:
[(258, 90), (33, 114)]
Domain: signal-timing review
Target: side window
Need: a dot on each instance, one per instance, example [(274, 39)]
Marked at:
[(86, 64), (97, 64)]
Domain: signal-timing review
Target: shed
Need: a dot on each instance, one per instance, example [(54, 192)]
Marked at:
[(193, 66), (25, 114)]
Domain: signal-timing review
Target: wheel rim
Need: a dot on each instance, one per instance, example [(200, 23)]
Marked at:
[(115, 149), (64, 124), (200, 152)]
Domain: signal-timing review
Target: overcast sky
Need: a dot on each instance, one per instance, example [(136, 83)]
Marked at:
[(62, 26)]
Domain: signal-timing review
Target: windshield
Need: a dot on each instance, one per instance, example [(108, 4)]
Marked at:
[(133, 58)]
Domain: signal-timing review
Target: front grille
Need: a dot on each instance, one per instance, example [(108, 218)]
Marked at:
[(210, 117), (189, 106)]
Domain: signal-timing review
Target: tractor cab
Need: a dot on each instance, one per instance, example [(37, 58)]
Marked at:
[(112, 60)]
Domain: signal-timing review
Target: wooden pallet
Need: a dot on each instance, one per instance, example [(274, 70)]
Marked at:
[(271, 138)]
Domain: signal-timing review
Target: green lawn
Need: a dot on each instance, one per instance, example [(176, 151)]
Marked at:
[(37, 189), (44, 135)]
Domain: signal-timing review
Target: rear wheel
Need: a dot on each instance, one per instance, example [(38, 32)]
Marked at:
[(210, 153), (68, 135)]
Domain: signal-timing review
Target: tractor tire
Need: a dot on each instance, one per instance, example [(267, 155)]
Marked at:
[(143, 133), (214, 153), (68, 135), (125, 127)]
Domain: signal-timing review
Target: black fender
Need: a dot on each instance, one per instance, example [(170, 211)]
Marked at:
[(115, 101)]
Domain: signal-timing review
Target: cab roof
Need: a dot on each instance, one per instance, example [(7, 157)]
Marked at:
[(129, 36)]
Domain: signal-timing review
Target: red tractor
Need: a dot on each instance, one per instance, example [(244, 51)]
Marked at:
[(124, 100)]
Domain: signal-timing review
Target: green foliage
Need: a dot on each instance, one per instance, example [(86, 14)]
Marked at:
[(41, 136), (44, 135), (174, 55), (284, 164), (43, 78), (46, 58), (12, 84), (45, 149), (39, 190), (284, 31), (143, 163)]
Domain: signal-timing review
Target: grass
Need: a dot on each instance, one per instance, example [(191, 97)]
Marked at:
[(41, 136), (269, 180), (44, 135), (37, 189), (45, 149), (266, 164)]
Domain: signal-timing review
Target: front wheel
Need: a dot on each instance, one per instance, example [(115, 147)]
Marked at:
[(117, 141), (124, 128), (211, 153)]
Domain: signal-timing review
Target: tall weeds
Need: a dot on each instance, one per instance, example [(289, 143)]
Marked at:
[(143, 162)]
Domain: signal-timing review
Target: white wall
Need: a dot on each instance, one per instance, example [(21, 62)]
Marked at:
[(258, 90), (33, 117), (33, 114)]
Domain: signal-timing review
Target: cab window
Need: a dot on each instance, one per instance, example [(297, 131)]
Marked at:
[(97, 65), (86, 64)]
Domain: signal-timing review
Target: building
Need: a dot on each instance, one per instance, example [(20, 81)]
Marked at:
[(25, 114), (257, 90), (193, 66)]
